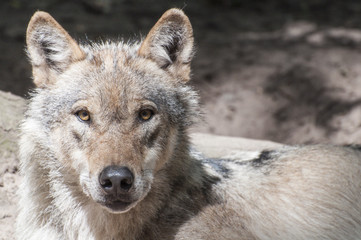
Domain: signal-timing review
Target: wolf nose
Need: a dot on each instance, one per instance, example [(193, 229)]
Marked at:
[(115, 179)]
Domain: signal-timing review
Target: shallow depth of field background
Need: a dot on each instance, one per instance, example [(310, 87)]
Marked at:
[(282, 70)]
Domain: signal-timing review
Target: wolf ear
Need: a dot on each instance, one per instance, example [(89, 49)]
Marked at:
[(50, 48), (170, 43)]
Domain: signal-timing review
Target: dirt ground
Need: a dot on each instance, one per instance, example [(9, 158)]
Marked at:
[(285, 71)]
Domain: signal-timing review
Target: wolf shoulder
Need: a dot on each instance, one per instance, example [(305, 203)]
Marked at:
[(264, 193), (304, 161)]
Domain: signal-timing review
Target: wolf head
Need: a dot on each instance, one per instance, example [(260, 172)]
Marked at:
[(110, 114)]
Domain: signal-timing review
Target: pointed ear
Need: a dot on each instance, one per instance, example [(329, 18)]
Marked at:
[(170, 44), (50, 48)]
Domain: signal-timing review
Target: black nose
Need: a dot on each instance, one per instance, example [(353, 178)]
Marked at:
[(115, 180)]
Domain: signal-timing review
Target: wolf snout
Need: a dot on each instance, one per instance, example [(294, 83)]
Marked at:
[(116, 180)]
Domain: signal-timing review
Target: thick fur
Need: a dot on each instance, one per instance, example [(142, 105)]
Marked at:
[(311, 192)]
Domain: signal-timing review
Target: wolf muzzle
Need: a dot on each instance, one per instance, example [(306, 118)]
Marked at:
[(117, 183)]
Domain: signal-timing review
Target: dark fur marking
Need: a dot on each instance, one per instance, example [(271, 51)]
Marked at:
[(76, 136), (173, 48), (229, 161), (181, 207), (151, 139), (263, 159), (170, 103), (48, 52), (218, 166), (354, 146), (207, 186)]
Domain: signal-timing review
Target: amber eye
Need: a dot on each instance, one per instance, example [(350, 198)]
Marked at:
[(83, 115), (145, 114)]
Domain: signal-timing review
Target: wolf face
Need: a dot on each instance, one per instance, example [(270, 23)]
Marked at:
[(112, 112)]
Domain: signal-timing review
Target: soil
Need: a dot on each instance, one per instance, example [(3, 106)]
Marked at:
[(285, 71)]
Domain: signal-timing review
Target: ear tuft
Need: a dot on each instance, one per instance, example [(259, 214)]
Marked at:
[(51, 49), (170, 43)]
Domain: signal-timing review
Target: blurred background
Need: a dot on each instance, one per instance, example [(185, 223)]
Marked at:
[(282, 70)]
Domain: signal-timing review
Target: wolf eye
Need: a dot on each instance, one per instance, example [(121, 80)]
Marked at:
[(83, 115), (146, 114)]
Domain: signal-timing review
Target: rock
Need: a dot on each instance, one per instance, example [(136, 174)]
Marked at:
[(11, 112)]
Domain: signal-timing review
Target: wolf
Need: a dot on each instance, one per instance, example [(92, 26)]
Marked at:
[(105, 153)]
